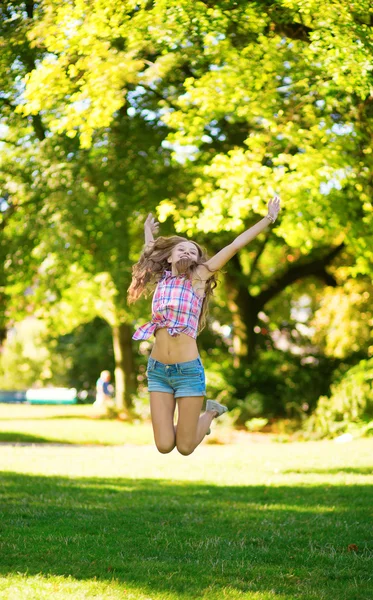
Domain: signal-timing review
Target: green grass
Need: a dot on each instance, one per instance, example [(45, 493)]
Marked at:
[(84, 424), (251, 521), (74, 424)]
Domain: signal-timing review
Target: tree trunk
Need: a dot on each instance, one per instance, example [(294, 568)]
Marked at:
[(244, 318), (239, 329), (125, 376), (244, 310)]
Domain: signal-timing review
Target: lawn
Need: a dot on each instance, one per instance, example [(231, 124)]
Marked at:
[(69, 424), (251, 521), (85, 424)]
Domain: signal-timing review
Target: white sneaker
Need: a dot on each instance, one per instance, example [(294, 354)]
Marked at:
[(219, 408)]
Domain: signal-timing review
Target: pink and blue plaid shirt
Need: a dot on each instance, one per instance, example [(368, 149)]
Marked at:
[(175, 305)]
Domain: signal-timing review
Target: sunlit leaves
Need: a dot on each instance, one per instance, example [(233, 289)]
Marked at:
[(257, 99), (344, 321)]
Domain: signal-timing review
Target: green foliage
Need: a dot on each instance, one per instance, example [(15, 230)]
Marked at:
[(343, 322), (33, 356), (87, 350), (351, 402), (256, 424), (198, 113), (277, 384), (28, 359), (245, 89)]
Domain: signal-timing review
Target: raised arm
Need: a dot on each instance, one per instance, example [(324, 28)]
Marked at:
[(221, 258), (151, 227)]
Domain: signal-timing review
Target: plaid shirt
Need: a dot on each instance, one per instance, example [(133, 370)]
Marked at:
[(175, 306)]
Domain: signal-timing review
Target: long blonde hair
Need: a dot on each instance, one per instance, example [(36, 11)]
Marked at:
[(147, 272)]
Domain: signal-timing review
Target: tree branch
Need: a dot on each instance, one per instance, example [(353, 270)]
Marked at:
[(7, 102), (294, 31), (299, 271), (159, 95), (38, 127), (9, 212), (27, 56), (10, 142), (257, 257), (282, 20)]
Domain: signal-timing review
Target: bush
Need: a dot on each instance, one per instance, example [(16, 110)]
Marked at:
[(350, 403), (256, 424), (89, 350), (29, 358), (277, 385)]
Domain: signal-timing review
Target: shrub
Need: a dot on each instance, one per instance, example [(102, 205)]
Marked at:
[(277, 385), (256, 424), (350, 403)]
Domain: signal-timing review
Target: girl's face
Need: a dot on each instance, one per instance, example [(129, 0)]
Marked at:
[(184, 250)]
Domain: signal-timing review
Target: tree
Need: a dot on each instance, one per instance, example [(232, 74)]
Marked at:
[(84, 201), (28, 359), (243, 91)]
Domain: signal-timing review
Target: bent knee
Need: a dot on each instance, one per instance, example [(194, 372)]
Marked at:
[(185, 449), (165, 448)]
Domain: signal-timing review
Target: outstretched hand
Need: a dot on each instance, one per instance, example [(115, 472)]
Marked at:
[(274, 207), (151, 224)]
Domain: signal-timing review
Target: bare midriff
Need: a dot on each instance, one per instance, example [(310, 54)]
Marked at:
[(169, 350), (181, 348)]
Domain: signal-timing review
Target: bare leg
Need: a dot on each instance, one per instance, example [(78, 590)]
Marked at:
[(191, 426), (162, 408), (204, 419)]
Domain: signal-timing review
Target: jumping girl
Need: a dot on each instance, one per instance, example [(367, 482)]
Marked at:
[(185, 279)]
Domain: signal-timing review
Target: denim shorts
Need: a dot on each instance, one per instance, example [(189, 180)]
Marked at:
[(181, 379)]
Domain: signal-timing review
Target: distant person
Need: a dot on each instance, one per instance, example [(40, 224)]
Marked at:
[(185, 278), (104, 390)]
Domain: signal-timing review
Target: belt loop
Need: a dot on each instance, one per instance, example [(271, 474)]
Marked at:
[(151, 364)]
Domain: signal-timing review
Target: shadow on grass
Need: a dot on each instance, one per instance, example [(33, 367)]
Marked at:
[(26, 438), (60, 417), (333, 471), (188, 539)]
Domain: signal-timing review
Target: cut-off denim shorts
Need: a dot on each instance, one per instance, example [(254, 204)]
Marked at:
[(181, 379)]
